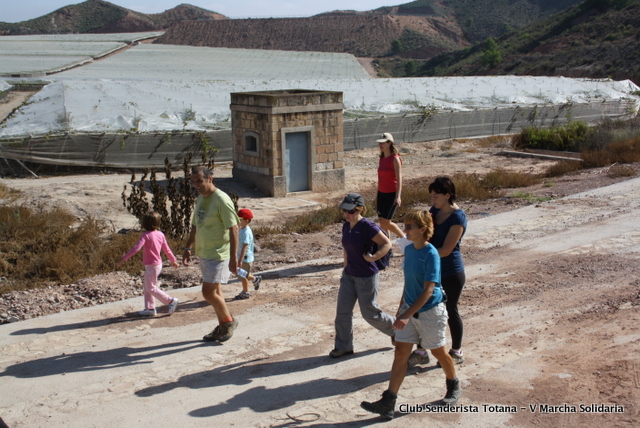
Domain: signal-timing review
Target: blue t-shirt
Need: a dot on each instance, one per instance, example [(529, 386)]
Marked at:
[(245, 236), (356, 243), (420, 266), (452, 264)]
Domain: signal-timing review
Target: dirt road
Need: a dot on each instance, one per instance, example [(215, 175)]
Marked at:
[(551, 339)]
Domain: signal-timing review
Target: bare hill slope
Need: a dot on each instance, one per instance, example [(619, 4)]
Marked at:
[(98, 16), (360, 35)]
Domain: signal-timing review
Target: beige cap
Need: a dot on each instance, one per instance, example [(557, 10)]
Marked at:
[(385, 137)]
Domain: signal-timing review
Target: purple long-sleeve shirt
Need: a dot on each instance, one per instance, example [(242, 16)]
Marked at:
[(154, 242)]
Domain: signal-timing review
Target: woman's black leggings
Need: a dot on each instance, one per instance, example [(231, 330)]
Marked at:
[(453, 285)]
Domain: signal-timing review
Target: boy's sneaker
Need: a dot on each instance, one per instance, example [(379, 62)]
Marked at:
[(243, 295), (147, 313), (256, 282), (173, 305), (226, 331), (418, 358)]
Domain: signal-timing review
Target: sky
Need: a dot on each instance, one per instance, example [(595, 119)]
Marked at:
[(16, 11)]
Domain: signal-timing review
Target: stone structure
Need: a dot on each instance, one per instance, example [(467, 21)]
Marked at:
[(289, 140)]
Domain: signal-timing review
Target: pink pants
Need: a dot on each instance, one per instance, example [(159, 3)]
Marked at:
[(151, 289)]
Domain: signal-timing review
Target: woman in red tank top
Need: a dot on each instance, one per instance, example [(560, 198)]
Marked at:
[(389, 184)]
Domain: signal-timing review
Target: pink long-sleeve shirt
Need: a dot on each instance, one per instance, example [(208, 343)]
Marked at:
[(153, 242)]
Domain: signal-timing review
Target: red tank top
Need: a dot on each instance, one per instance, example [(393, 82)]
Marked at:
[(387, 180)]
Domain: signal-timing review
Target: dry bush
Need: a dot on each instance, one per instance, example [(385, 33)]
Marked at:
[(7, 193), (493, 141), (624, 151), (610, 131), (469, 186), (618, 170), (595, 158), (313, 221), (561, 168), (41, 246), (414, 192), (174, 202), (501, 179)]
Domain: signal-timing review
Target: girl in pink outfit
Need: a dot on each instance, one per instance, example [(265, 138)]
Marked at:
[(154, 242)]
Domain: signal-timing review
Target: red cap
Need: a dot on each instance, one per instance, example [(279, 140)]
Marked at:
[(246, 214)]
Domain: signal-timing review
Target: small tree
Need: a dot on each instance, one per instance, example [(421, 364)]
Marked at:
[(490, 45), (410, 68), (492, 55), (396, 46)]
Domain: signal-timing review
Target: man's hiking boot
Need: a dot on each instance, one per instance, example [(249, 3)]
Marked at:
[(385, 407), (453, 392)]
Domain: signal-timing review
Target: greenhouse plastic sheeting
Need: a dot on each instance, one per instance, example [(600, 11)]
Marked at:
[(151, 149)]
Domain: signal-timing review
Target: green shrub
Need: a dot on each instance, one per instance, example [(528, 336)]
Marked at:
[(568, 137)]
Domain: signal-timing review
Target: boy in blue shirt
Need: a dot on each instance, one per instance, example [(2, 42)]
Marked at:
[(245, 254)]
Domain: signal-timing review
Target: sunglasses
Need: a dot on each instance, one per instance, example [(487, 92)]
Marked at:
[(353, 211), (411, 227)]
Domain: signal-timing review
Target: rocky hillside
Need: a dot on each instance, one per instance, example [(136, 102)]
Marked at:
[(98, 16), (598, 38), (362, 35), (419, 29)]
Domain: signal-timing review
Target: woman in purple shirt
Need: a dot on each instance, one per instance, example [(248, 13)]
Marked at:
[(360, 280)]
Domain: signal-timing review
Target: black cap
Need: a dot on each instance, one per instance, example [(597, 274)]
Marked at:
[(351, 201)]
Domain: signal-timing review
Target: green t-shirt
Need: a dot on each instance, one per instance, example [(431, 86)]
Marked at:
[(213, 217)]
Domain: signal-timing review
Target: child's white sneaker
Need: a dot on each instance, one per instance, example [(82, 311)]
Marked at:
[(147, 313), (173, 305)]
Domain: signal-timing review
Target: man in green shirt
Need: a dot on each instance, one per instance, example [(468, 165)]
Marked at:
[(214, 231)]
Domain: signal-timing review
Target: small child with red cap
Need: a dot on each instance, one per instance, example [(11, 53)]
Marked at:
[(245, 254)]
